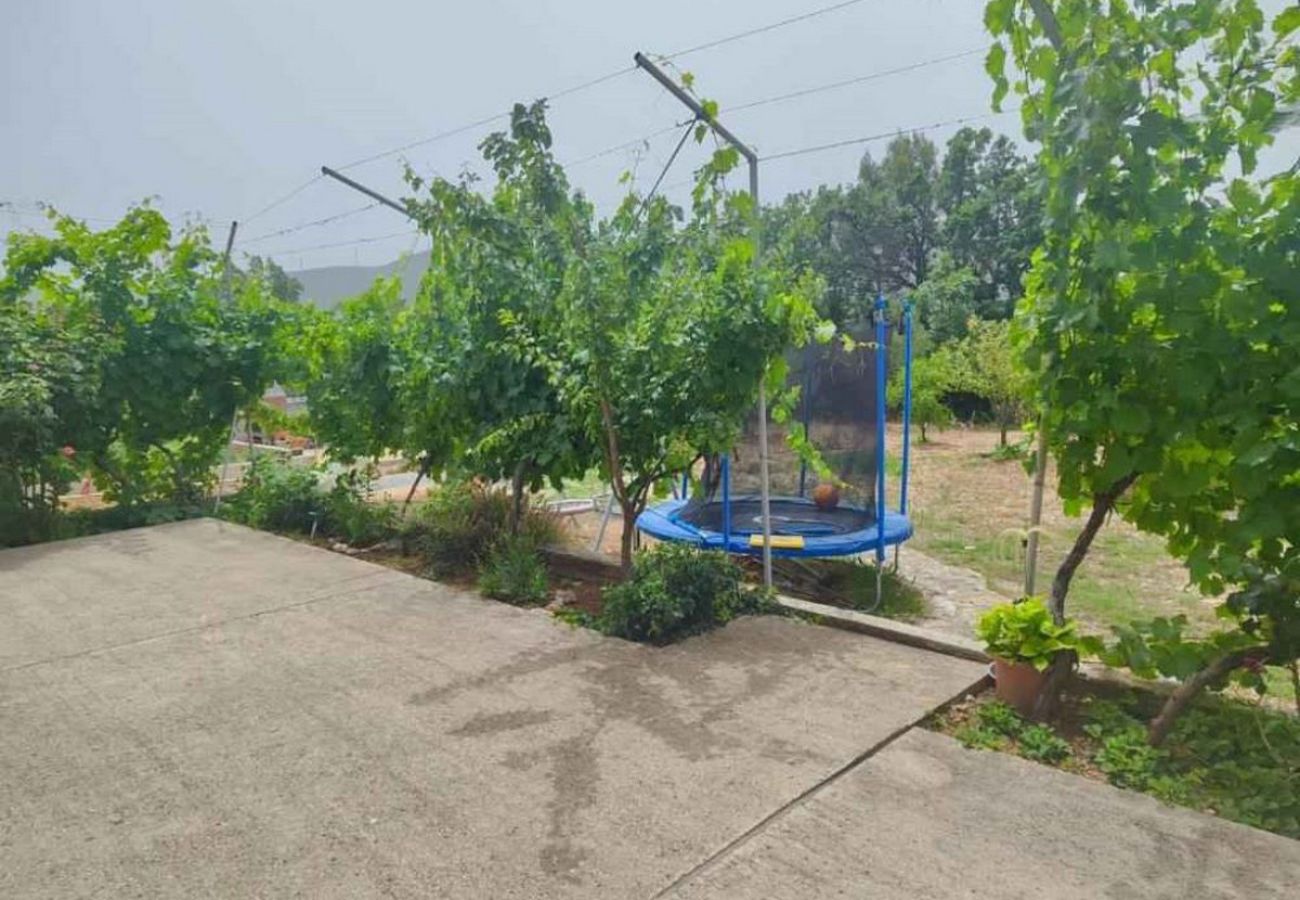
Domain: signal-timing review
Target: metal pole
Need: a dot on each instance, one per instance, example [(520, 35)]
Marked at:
[(234, 419), (373, 195), (766, 488), (752, 158), (1036, 509)]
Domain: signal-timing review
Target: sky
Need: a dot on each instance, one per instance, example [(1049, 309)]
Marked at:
[(218, 111)]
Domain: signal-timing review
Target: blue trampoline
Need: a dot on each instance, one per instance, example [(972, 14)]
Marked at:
[(840, 510)]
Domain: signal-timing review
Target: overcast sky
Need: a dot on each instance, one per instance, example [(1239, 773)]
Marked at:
[(218, 109)]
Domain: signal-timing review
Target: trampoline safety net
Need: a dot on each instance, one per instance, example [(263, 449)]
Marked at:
[(837, 407)]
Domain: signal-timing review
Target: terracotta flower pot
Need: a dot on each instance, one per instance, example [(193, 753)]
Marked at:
[(1018, 684)]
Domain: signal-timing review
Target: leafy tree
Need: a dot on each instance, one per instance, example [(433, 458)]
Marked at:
[(477, 397), (355, 361), (983, 363), (48, 391), (170, 361), (992, 214), (279, 283), (946, 301), (666, 335), (1160, 319), (932, 379), (901, 192)]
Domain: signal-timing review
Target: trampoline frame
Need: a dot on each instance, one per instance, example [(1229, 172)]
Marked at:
[(664, 522)]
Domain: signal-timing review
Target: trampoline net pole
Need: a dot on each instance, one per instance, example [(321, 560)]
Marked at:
[(882, 337), (764, 475)]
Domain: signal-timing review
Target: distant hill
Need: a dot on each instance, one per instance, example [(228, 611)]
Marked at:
[(329, 286)]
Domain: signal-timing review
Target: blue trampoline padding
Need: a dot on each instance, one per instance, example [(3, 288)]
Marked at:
[(662, 522)]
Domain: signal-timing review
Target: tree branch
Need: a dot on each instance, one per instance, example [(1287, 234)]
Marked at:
[(1186, 692)]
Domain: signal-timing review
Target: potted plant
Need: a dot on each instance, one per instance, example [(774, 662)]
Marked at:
[(1023, 640)]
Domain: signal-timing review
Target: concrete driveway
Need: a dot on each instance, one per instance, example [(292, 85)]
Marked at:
[(201, 710)]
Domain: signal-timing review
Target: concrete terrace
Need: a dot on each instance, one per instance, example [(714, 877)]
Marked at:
[(202, 710)]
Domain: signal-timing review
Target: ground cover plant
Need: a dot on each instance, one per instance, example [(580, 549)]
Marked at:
[(1231, 759)]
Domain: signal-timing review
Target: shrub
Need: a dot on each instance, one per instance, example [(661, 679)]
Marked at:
[(675, 591), (347, 515), (279, 496), (514, 572), (461, 521), (276, 496)]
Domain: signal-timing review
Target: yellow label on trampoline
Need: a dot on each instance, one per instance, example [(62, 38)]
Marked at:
[(784, 541)]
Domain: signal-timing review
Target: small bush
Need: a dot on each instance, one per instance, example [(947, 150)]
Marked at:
[(347, 515), (514, 572), (675, 591), (276, 496), (279, 496), (460, 522)]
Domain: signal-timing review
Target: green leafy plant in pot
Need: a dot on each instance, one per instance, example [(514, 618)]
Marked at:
[(1023, 640)]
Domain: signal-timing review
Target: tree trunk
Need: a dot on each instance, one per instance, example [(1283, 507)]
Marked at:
[(517, 496), (629, 536), (1063, 665), (419, 476), (1102, 504), (1295, 683), (1186, 692), (1002, 434), (924, 439)]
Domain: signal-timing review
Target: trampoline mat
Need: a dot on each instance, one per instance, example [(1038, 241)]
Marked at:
[(790, 515)]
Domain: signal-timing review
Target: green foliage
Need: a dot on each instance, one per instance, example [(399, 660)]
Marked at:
[(666, 334), (931, 381), (479, 398), (959, 233), (454, 530), (1024, 632), (119, 347), (514, 571), (998, 716), (1162, 312), (277, 495), (675, 591), (354, 363), (1040, 743), (1128, 760), (979, 737)]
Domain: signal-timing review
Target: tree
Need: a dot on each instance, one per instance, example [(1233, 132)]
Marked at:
[(478, 397), (931, 381), (945, 303), (992, 213), (1160, 319), (983, 363), (170, 363), (666, 334), (355, 361), (278, 282)]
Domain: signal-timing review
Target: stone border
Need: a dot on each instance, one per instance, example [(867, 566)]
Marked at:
[(886, 629)]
